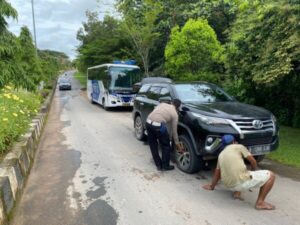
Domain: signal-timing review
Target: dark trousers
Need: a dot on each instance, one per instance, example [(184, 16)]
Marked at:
[(155, 135)]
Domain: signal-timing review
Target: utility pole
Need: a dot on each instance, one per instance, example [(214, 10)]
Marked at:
[(33, 21)]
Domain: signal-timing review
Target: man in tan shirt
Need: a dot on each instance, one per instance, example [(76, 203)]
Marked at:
[(233, 172), (156, 126)]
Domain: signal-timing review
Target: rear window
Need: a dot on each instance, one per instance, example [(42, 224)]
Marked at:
[(64, 80)]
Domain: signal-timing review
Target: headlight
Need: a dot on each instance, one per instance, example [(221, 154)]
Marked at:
[(211, 120), (273, 118)]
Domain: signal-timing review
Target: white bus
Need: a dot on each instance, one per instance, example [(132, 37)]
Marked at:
[(111, 85)]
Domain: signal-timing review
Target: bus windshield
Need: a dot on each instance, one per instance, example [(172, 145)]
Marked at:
[(123, 77)]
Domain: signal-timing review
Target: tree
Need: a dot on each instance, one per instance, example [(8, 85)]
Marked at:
[(9, 49), (101, 42), (29, 60), (139, 24), (193, 52), (6, 10), (263, 57)]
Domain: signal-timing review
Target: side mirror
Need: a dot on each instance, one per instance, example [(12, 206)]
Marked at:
[(136, 87), (166, 99)]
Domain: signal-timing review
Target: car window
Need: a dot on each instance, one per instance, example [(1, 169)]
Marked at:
[(164, 92), (64, 80), (144, 89), (154, 92)]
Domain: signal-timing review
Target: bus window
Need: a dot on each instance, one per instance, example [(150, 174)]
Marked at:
[(124, 77)]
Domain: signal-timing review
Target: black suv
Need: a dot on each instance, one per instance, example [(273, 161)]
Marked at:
[(207, 112)]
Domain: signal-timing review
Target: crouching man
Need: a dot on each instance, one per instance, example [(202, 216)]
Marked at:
[(233, 173)]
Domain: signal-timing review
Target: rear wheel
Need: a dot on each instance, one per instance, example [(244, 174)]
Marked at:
[(188, 161), (92, 101), (139, 128)]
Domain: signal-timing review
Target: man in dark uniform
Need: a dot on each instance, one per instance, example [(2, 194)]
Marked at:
[(156, 126)]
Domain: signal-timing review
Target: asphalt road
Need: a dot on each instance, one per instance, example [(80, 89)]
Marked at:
[(90, 170)]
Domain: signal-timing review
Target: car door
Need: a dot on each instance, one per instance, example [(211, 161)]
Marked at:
[(151, 100)]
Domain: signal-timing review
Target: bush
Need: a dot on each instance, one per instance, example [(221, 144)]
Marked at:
[(17, 108)]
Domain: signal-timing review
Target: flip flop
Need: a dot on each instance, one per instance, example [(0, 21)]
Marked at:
[(268, 207)]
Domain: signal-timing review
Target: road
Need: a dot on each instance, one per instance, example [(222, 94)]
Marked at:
[(90, 170)]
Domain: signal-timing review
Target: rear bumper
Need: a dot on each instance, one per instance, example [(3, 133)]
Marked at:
[(64, 87)]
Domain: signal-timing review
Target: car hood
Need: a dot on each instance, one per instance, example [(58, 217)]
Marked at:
[(228, 110)]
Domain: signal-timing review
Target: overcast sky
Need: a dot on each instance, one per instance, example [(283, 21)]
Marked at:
[(57, 21)]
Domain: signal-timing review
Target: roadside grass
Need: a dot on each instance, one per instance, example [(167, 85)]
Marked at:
[(17, 108), (81, 77), (288, 152)]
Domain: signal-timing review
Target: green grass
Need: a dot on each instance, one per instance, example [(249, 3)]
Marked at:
[(289, 147), (81, 78)]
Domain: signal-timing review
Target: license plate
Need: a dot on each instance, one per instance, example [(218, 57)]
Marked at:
[(259, 149), (126, 104)]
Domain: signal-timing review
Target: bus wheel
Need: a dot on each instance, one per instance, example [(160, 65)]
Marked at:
[(104, 105), (92, 101)]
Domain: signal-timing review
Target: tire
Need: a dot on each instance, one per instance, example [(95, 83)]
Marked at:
[(188, 161), (139, 130), (259, 158), (92, 100), (104, 105)]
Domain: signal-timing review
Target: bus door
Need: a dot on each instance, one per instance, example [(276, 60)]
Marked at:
[(95, 90)]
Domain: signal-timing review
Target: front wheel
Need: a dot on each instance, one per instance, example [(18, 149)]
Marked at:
[(188, 161), (139, 128), (104, 105)]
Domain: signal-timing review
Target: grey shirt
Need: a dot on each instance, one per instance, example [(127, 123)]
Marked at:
[(166, 113)]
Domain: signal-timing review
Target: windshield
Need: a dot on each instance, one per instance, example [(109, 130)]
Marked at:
[(124, 77), (201, 93), (64, 80)]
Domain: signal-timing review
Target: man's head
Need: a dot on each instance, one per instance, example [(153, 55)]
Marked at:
[(176, 102), (228, 139)]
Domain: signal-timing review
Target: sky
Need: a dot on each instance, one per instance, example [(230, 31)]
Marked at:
[(56, 21)]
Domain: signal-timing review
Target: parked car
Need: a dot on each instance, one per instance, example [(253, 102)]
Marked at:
[(150, 80), (206, 114), (64, 83)]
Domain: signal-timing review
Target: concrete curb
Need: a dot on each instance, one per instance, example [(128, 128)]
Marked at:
[(16, 165)]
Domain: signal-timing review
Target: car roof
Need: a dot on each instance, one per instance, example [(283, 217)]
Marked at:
[(152, 80)]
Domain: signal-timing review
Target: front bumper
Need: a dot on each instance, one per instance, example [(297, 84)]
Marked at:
[(257, 146)]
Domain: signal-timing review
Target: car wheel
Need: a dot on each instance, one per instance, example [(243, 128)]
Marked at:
[(188, 161), (139, 128)]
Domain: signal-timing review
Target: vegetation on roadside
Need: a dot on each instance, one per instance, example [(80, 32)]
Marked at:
[(27, 75), (288, 151), (17, 107), (81, 77)]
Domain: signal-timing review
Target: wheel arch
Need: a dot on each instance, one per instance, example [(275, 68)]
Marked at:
[(184, 129)]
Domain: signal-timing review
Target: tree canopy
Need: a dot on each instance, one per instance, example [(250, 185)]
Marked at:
[(193, 52)]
